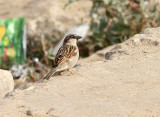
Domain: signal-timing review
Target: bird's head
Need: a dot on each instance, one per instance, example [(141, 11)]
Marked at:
[(72, 39)]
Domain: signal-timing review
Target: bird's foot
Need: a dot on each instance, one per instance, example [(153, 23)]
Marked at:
[(65, 73), (71, 73)]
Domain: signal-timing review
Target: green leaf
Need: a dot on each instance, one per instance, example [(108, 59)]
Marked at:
[(108, 13), (69, 2)]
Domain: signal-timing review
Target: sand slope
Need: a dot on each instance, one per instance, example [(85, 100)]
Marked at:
[(125, 85)]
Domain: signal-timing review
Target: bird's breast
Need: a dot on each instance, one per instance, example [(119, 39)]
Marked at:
[(73, 60)]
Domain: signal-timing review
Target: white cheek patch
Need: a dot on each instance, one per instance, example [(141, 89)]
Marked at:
[(73, 41)]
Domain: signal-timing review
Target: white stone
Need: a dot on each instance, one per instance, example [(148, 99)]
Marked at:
[(6, 82)]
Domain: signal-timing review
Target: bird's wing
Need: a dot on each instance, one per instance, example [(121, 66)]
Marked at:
[(64, 53)]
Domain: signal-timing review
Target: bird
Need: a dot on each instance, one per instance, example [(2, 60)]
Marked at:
[(67, 55)]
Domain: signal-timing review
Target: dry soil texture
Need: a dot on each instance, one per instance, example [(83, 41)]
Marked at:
[(127, 84)]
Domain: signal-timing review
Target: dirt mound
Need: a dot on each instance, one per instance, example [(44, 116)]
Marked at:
[(127, 84)]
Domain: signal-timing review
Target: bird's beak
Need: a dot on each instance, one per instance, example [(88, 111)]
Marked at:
[(78, 37)]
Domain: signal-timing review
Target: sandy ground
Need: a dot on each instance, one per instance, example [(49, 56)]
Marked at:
[(47, 17), (127, 85)]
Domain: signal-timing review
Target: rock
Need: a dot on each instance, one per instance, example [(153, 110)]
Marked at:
[(6, 82), (35, 113)]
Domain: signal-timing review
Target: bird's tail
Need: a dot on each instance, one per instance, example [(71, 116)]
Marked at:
[(52, 71)]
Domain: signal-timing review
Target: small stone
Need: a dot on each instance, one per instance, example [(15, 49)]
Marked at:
[(109, 55), (35, 113)]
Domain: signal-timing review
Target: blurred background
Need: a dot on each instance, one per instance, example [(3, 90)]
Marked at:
[(40, 25)]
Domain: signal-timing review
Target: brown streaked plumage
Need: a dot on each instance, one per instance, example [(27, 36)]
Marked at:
[(63, 54), (67, 55)]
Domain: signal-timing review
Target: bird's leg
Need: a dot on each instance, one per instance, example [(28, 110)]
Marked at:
[(71, 73), (60, 73), (66, 73)]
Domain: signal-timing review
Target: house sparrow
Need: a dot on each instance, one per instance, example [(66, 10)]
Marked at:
[(67, 55)]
